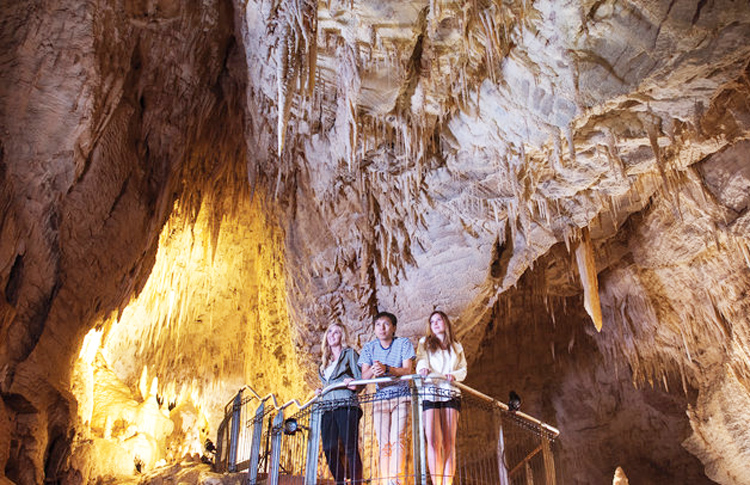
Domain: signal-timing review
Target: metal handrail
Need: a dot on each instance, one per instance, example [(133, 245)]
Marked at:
[(413, 377), (379, 380), (551, 429), (268, 396)]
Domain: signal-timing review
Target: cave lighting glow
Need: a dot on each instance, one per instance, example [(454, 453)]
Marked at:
[(152, 383)]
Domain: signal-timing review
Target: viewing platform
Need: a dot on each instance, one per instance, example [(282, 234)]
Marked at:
[(494, 444)]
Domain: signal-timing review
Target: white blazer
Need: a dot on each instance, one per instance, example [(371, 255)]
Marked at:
[(439, 364)]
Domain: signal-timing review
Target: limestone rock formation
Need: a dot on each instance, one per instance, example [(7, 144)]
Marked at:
[(199, 188)]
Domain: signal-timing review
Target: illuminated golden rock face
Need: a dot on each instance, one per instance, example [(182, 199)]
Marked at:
[(212, 316), (210, 319), (194, 191)]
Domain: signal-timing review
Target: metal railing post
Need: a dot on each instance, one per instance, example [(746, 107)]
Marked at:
[(528, 473), (549, 459), (278, 424), (313, 438), (219, 462), (417, 437), (501, 467), (252, 472), (235, 434)]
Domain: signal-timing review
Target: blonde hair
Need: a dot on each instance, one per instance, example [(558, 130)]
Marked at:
[(326, 356)]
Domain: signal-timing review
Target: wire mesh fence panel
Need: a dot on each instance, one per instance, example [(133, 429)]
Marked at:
[(495, 446), (243, 438), (531, 470), (245, 434), (386, 440), (476, 442), (340, 450), (524, 455), (297, 447), (232, 447), (363, 441), (295, 433)]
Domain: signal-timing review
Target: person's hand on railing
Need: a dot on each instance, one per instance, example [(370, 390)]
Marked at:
[(424, 372), (378, 369), (450, 377), (347, 381)]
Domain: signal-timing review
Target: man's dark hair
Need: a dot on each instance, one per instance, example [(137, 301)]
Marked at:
[(388, 315)]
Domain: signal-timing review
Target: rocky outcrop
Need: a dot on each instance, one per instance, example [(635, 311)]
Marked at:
[(93, 154)]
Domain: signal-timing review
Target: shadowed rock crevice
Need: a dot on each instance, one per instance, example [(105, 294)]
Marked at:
[(600, 415)]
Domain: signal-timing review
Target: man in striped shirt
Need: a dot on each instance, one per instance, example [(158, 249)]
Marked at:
[(389, 356)]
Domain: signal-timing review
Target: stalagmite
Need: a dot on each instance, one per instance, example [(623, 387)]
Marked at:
[(620, 478)]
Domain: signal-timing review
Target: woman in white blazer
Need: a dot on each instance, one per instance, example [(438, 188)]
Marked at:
[(441, 357)]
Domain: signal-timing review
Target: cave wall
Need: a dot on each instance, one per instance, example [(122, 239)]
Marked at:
[(671, 353), (605, 419), (213, 315), (688, 317), (93, 156)]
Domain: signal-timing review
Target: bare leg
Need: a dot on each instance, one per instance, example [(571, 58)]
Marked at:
[(382, 425), (433, 437), (450, 427), (398, 438)]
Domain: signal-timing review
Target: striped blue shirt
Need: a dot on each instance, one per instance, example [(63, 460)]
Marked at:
[(400, 350)]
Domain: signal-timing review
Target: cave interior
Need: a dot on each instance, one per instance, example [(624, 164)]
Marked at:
[(190, 192)]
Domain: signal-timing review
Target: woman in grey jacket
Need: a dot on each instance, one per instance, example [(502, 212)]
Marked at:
[(339, 424)]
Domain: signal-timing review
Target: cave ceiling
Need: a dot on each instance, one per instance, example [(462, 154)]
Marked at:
[(209, 184)]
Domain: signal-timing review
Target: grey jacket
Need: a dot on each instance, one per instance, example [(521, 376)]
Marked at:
[(346, 367)]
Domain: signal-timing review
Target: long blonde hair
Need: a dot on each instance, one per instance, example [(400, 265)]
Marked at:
[(327, 356)]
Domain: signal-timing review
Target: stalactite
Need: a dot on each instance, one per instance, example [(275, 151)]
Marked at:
[(283, 93), (589, 281), (653, 136), (745, 248), (571, 145)]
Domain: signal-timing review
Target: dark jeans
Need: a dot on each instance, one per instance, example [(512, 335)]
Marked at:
[(339, 429)]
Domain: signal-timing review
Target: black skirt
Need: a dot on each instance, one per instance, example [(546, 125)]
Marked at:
[(452, 403)]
